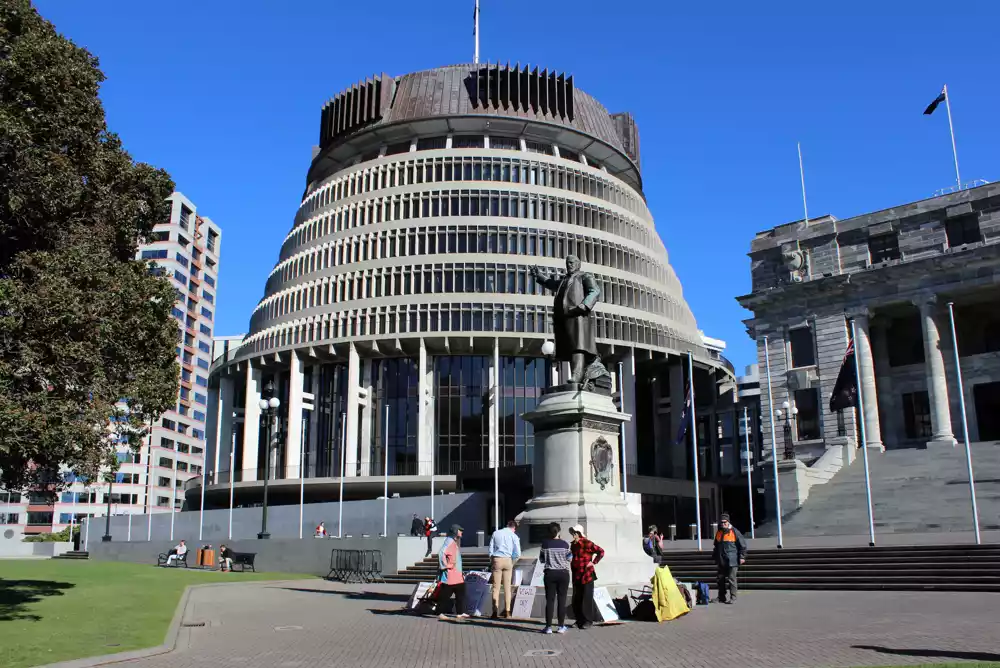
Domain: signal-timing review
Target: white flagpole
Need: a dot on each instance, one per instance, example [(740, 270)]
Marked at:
[(495, 431), (774, 443), (173, 498), (302, 477), (232, 477), (385, 455), (86, 536), (475, 32), (201, 510), (802, 176), (965, 421), (621, 428), (72, 519), (954, 150), (864, 442), (343, 470), (746, 433), (694, 450), (129, 538), (149, 488)]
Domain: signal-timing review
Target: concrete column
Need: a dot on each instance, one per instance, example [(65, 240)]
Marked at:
[(863, 348), (627, 388), (888, 408), (368, 411), (937, 382), (223, 424), (293, 436), (353, 376), (677, 453), (251, 425), (425, 444)]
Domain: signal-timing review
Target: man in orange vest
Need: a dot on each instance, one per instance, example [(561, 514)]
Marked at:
[(730, 552)]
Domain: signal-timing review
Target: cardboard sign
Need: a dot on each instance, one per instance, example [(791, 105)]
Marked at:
[(523, 602), (517, 577), (477, 592), (418, 593), (538, 575), (605, 605)]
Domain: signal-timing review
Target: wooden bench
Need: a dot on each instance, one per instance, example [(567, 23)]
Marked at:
[(244, 560), (164, 560)]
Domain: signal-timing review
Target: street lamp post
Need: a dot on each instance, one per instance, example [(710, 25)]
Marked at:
[(106, 538), (269, 409), (790, 412)]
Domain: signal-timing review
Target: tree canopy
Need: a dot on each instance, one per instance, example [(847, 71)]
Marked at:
[(86, 332)]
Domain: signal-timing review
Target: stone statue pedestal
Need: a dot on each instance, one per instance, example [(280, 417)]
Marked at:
[(576, 437)]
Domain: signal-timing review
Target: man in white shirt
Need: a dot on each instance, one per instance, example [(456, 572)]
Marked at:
[(505, 549), (179, 551)]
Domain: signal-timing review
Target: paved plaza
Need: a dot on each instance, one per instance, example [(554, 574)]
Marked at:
[(304, 624)]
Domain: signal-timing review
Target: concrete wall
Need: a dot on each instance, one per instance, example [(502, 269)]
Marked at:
[(309, 555), (14, 547), (360, 517)]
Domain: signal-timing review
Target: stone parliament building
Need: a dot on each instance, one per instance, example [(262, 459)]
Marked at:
[(893, 272)]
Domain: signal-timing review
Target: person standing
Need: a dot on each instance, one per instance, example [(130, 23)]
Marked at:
[(429, 529), (585, 553), (729, 553), (555, 555), (320, 530), (505, 549), (416, 526), (452, 579)]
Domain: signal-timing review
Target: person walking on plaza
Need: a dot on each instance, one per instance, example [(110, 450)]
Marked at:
[(416, 526), (585, 553), (505, 549), (555, 555), (452, 579), (429, 529), (729, 553)]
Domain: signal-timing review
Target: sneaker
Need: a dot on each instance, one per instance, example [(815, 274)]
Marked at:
[(462, 616), (495, 615), (561, 629), (547, 630), (443, 617)]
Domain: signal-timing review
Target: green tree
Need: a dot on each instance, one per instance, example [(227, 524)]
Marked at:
[(85, 329)]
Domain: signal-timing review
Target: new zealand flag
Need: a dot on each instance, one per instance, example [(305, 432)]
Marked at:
[(845, 390), (685, 417)]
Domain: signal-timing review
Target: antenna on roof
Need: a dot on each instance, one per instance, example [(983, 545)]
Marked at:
[(475, 31)]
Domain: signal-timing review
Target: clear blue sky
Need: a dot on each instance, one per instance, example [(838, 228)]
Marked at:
[(226, 96)]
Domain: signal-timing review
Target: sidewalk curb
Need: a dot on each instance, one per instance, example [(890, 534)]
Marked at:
[(170, 642)]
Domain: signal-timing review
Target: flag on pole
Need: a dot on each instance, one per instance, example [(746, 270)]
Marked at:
[(685, 412), (475, 18), (845, 390), (938, 100)]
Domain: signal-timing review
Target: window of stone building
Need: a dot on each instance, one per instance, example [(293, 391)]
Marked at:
[(917, 415), (963, 230), (884, 247), (802, 345), (807, 421), (468, 141), (906, 340)]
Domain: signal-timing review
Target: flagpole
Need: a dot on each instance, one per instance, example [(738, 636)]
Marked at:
[(774, 443), (965, 422), (201, 510), (232, 477), (621, 428), (802, 176), (694, 450), (746, 433), (864, 443), (954, 150), (385, 492), (475, 32), (173, 498), (343, 470), (302, 477), (495, 431), (149, 487)]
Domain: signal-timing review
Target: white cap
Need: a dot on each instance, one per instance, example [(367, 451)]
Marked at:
[(578, 529)]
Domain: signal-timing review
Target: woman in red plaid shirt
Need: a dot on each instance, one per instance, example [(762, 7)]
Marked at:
[(585, 553)]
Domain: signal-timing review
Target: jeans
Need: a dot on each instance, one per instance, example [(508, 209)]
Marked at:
[(726, 580), (583, 594), (446, 592), (429, 544), (503, 569), (556, 586)]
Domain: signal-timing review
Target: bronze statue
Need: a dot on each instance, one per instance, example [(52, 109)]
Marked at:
[(576, 295)]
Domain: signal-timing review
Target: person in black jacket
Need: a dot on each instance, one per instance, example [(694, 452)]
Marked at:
[(729, 553), (416, 526)]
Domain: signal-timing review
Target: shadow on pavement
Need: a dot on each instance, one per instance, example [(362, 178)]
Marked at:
[(354, 595), (16, 595), (935, 653)]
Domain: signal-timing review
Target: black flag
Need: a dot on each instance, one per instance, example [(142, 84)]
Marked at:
[(934, 105), (845, 390)]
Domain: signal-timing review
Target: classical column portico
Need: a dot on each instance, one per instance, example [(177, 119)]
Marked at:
[(937, 381), (293, 437), (863, 350), (251, 425), (351, 436), (425, 441)]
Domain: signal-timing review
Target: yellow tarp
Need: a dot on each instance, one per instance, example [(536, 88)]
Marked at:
[(667, 598)]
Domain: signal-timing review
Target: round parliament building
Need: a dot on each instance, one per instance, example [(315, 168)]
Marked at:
[(401, 328)]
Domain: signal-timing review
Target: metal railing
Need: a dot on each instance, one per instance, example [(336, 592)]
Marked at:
[(355, 566)]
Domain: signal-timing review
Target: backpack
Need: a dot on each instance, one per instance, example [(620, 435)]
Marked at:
[(702, 589)]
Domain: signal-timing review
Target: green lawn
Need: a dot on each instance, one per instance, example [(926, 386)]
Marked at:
[(53, 610)]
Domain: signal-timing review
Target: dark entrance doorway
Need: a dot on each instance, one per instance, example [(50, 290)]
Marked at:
[(987, 400)]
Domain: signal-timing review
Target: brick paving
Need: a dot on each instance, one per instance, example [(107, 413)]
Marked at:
[(361, 626)]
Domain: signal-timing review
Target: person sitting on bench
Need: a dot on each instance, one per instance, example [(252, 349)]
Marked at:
[(178, 552), (225, 558)]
